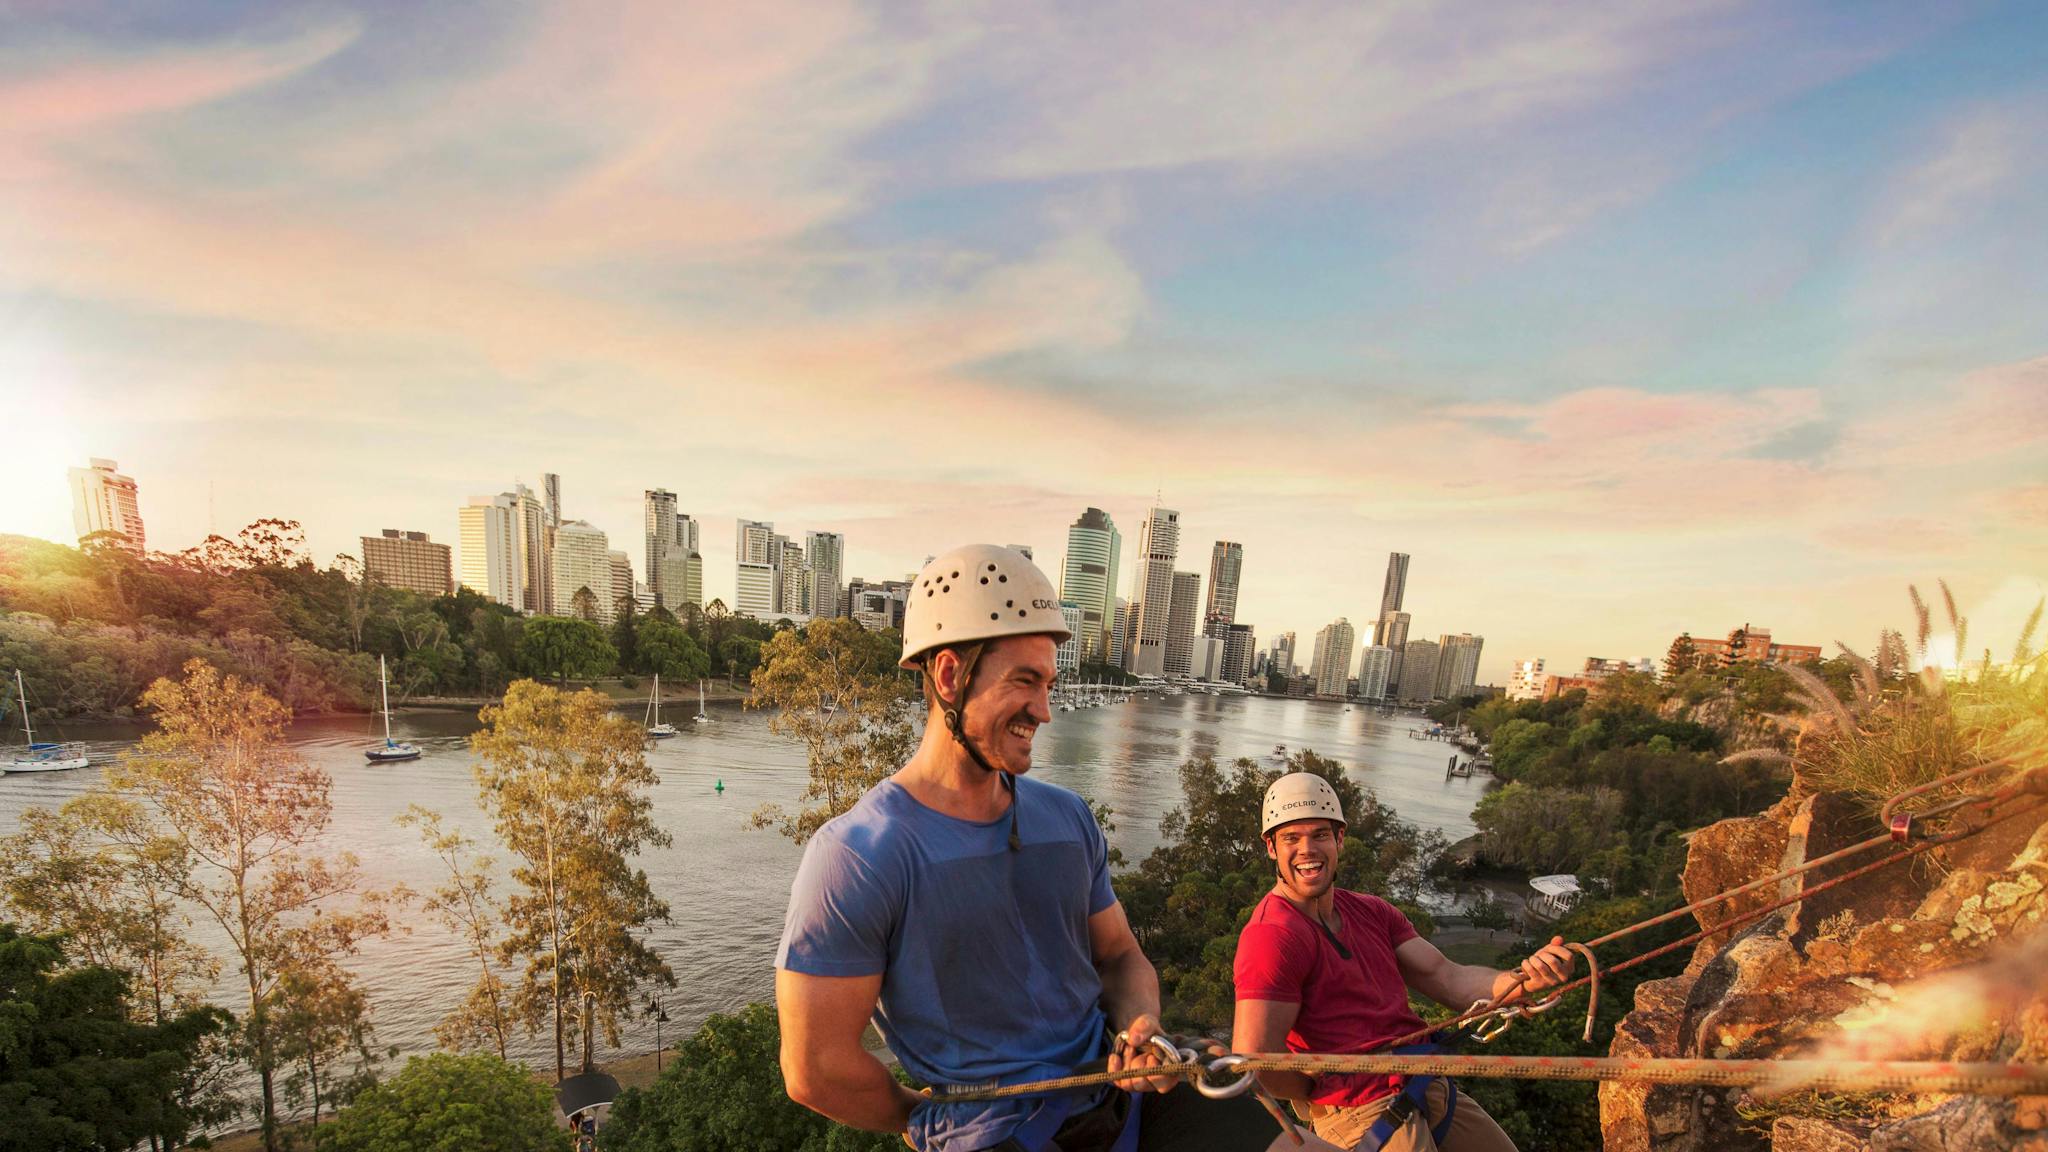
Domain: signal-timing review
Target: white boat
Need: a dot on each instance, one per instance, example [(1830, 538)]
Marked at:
[(656, 730), (701, 717), (390, 751), (45, 757)]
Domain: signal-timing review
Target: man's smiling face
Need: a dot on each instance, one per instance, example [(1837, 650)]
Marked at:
[(1010, 697), (1306, 853)]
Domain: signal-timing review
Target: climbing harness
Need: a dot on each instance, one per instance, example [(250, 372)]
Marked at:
[(1220, 1075)]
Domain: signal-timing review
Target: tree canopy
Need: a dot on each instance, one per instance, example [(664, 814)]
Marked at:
[(565, 782), (834, 687), (724, 1093), (449, 1103), (78, 1073)]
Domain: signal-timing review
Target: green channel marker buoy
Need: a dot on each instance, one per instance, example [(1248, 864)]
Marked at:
[(721, 787)]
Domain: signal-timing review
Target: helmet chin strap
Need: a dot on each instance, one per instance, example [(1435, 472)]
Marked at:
[(955, 712)]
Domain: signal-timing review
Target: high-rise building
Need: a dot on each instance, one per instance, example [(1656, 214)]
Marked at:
[(1088, 578), (1281, 659), (1067, 657), (1457, 664), (877, 606), (792, 579), (622, 579), (1525, 680), (754, 590), (756, 558), (1418, 672), (409, 560), (675, 569), (754, 543), (1395, 588), (658, 525), (1205, 658), (1373, 665), (582, 562), (551, 492), (1226, 563), (1152, 592), (536, 551), (103, 500), (826, 553), (1238, 644), (1180, 623), (1119, 640), (1331, 666), (1391, 633), (490, 549)]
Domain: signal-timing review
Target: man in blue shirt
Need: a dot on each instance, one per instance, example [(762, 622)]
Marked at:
[(966, 909)]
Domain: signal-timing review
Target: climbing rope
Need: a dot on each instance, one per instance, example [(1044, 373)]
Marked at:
[(1208, 1072), (1202, 1064)]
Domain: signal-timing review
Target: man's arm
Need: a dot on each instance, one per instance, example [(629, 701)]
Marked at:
[(1130, 994), (824, 1066), (1459, 986), (1262, 1026)]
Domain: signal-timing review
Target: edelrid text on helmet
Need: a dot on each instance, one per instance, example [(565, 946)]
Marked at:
[(978, 592), (1299, 796)]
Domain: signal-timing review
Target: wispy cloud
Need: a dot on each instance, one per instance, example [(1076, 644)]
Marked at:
[(1976, 156)]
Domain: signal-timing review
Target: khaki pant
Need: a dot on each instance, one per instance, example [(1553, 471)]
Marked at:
[(1472, 1130)]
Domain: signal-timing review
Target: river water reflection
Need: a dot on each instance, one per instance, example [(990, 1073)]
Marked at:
[(727, 886)]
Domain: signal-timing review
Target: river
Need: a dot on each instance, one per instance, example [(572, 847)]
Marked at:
[(727, 886)]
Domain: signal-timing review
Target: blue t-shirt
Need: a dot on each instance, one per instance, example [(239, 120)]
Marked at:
[(986, 970)]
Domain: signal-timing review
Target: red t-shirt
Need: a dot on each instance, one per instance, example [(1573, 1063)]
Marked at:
[(1346, 1005)]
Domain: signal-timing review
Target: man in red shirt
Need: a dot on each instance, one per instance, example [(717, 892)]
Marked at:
[(1322, 969)]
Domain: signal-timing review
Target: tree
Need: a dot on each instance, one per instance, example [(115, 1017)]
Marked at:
[(69, 872), (1738, 644), (221, 788), (742, 654), (625, 631), (667, 649), (77, 1071), (557, 648), (583, 605), (834, 688), (1683, 657), (322, 1019), (564, 778), (465, 906), (448, 1103), (1490, 915), (724, 1093)]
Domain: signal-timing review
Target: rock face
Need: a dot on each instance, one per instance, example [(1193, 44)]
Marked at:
[(1930, 959)]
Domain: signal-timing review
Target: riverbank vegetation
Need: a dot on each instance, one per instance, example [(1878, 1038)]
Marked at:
[(92, 627)]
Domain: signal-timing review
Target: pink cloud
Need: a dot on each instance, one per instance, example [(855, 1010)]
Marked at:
[(94, 93)]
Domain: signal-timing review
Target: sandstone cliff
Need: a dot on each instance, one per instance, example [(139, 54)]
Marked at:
[(1941, 957)]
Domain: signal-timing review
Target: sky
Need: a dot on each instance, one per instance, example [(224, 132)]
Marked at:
[(1620, 319)]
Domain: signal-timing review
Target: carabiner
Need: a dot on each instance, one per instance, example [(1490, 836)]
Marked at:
[(1237, 1087)]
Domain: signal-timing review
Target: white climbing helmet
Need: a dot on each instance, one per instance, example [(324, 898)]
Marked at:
[(978, 592), (1299, 796)]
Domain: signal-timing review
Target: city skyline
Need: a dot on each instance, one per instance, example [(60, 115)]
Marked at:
[(1741, 324), (1500, 672)]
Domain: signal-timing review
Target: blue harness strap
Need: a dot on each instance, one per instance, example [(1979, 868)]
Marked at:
[(1413, 1101)]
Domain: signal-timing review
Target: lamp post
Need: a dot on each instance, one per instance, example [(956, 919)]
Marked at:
[(656, 1009)]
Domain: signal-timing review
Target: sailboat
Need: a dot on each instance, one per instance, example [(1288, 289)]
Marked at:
[(391, 751), (656, 730), (701, 717), (42, 757)]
